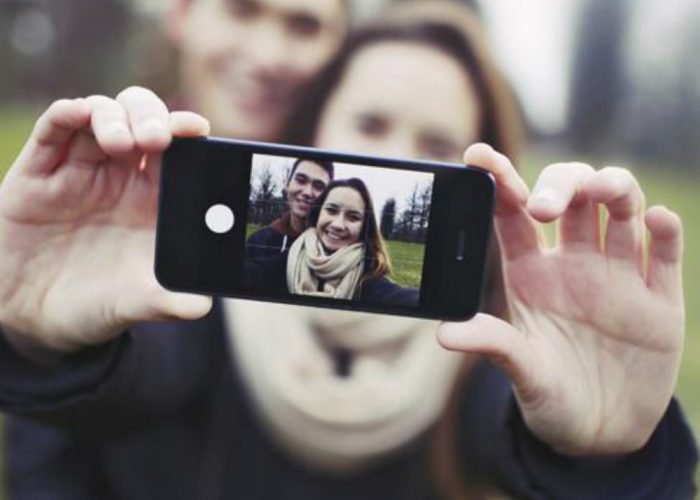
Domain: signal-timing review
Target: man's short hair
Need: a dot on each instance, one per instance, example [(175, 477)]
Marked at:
[(324, 164)]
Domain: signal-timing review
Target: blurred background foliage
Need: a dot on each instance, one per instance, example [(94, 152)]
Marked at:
[(604, 82)]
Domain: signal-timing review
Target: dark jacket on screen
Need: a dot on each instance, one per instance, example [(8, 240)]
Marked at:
[(160, 413), (271, 240), (268, 275)]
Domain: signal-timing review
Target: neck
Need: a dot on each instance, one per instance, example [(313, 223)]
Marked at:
[(298, 224)]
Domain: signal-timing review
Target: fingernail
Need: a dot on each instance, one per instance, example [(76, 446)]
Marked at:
[(116, 128), (152, 126), (545, 195)]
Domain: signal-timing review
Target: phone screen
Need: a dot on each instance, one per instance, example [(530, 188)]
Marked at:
[(304, 226), (364, 239)]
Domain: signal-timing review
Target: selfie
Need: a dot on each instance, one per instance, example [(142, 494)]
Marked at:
[(345, 244)]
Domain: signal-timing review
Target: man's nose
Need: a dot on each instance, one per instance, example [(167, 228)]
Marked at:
[(268, 47), (308, 191)]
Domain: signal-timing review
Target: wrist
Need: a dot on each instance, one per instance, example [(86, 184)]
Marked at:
[(30, 348)]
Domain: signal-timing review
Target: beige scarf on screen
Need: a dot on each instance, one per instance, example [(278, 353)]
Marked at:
[(397, 387), (308, 263)]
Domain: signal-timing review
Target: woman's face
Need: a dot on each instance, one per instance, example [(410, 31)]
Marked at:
[(244, 62), (398, 99), (340, 219), (404, 99)]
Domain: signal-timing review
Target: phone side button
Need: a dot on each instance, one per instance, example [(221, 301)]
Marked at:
[(461, 251)]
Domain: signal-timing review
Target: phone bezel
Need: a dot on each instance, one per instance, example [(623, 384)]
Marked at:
[(456, 296)]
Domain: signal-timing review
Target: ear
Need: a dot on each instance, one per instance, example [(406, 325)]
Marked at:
[(175, 20)]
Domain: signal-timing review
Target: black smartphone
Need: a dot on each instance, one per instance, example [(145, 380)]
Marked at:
[(323, 228)]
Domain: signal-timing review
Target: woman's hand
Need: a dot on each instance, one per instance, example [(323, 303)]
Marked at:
[(77, 222), (597, 329)]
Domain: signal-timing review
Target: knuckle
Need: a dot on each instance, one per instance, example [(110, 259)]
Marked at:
[(580, 168), (623, 180), (131, 92), (619, 174), (100, 102), (59, 105), (553, 169)]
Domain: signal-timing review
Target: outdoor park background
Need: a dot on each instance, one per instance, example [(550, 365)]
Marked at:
[(600, 81)]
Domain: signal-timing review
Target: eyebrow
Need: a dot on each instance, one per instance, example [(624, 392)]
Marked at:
[(350, 211)]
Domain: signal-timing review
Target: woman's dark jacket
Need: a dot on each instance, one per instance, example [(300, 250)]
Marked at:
[(269, 275), (160, 413)]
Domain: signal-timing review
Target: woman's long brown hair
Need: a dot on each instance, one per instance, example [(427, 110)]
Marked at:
[(456, 30)]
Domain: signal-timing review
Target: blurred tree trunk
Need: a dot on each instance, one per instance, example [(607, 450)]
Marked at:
[(598, 80)]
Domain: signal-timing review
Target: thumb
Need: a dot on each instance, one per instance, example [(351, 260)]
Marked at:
[(503, 344), (185, 306)]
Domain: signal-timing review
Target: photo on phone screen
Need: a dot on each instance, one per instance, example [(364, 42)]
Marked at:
[(362, 228), (321, 228)]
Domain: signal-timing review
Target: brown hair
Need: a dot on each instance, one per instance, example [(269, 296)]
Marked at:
[(454, 29)]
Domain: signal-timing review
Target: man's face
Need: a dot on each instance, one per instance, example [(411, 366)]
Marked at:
[(245, 62), (306, 185)]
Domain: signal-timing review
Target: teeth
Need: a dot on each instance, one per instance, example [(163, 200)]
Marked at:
[(334, 237)]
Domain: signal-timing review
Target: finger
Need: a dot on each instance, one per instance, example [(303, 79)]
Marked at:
[(512, 191), (181, 124), (188, 124), (85, 149), (517, 233), (558, 194), (487, 335), (624, 199), (183, 306), (52, 134), (158, 304), (148, 118), (664, 273), (110, 126)]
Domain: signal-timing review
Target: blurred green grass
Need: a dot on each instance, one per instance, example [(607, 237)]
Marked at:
[(679, 191)]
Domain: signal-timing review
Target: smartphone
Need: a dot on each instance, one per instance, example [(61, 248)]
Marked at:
[(323, 228)]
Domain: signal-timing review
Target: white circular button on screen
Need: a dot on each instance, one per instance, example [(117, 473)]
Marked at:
[(219, 219)]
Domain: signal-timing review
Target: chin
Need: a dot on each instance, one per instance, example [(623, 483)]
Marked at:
[(328, 248)]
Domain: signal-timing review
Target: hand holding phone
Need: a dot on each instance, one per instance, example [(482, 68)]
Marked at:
[(320, 228), (77, 220)]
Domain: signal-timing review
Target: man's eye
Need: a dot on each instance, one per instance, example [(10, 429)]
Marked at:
[(372, 125), (319, 186), (301, 179), (303, 25), (243, 9)]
